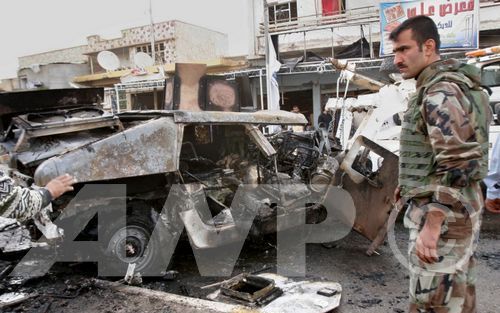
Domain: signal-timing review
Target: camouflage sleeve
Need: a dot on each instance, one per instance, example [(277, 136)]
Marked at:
[(452, 137), (21, 203)]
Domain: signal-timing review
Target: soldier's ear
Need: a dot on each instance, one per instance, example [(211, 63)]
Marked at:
[(429, 47)]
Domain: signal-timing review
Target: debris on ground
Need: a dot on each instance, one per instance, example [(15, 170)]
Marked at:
[(293, 296), (170, 275), (302, 296), (251, 289), (166, 301), (492, 259), (13, 236), (132, 277), (14, 298)]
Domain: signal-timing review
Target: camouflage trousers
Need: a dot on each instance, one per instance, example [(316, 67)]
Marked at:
[(447, 286)]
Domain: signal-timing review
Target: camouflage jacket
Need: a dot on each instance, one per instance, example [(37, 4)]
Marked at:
[(19, 202), (446, 142)]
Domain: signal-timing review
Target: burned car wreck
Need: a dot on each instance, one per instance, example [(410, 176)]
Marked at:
[(211, 154)]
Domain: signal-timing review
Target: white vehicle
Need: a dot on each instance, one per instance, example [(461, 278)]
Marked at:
[(488, 60), (376, 118)]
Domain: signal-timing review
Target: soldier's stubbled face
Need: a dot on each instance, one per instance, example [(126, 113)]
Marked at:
[(410, 57)]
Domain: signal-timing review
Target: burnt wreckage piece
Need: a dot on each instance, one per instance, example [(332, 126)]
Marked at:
[(212, 153)]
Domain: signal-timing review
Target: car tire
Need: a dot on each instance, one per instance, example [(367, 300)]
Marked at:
[(133, 243)]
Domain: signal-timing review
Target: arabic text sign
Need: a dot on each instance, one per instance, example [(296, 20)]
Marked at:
[(457, 21)]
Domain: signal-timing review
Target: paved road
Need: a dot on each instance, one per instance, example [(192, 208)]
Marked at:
[(375, 284)]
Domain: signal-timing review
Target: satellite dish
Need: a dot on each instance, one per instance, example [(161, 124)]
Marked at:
[(143, 60), (108, 60)]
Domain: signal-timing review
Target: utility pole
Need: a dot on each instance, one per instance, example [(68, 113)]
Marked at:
[(268, 61), (153, 52)]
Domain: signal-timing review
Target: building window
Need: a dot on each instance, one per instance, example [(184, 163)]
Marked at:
[(23, 82), (159, 51), (332, 7), (283, 13)]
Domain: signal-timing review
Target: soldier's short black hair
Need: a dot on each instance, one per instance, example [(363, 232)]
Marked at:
[(423, 28)]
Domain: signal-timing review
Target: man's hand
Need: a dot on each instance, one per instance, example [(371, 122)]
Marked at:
[(426, 244), (60, 185), (492, 205), (428, 237)]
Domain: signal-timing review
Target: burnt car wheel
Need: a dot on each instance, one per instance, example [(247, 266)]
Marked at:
[(134, 243)]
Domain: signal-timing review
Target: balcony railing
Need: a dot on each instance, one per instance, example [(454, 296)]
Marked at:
[(359, 16)]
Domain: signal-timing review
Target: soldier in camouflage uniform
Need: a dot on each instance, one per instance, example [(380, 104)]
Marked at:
[(23, 203), (443, 158)]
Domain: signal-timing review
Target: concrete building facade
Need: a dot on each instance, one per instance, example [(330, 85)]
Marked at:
[(327, 27), (9, 84), (50, 76), (319, 25), (142, 88), (174, 41), (52, 69), (315, 24)]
